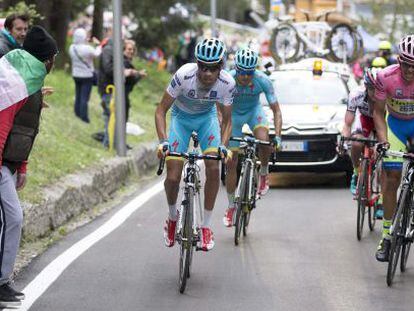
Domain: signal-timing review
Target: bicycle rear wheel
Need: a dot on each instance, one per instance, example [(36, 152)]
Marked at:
[(241, 202), (362, 197), (186, 246), (406, 246), (397, 235)]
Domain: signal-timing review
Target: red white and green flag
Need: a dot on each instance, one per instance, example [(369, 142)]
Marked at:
[(21, 75)]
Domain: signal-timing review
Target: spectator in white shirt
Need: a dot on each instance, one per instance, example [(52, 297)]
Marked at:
[(83, 72)]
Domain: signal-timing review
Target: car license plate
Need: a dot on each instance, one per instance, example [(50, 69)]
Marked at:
[(296, 146)]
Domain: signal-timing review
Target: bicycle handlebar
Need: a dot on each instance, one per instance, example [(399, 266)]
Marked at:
[(366, 141), (187, 156), (162, 162), (383, 150), (251, 141), (196, 156)]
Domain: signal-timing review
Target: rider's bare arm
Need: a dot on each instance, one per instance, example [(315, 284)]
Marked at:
[(219, 116), (379, 120), (161, 115), (277, 118), (349, 120), (226, 123)]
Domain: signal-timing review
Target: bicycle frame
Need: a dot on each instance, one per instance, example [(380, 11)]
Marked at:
[(402, 227), (368, 153), (192, 180), (250, 157), (407, 180)]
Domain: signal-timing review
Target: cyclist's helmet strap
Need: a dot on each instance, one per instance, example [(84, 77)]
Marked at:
[(406, 49), (246, 59), (210, 51)]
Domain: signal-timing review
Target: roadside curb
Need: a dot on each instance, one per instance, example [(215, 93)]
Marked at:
[(82, 191)]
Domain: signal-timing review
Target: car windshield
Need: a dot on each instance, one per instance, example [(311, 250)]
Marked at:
[(302, 87)]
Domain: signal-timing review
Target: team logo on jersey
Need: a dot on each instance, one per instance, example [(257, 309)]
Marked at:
[(177, 80), (188, 77), (210, 139), (191, 93), (213, 94), (398, 92), (222, 80), (175, 145)]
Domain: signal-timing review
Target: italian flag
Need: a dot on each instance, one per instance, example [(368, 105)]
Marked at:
[(21, 75)]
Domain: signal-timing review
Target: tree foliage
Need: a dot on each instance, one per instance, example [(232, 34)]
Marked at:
[(22, 8), (392, 18), (156, 27)]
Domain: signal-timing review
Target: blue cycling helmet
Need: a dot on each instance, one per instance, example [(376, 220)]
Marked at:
[(210, 51), (246, 59)]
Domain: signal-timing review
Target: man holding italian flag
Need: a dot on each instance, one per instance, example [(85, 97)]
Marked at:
[(22, 73)]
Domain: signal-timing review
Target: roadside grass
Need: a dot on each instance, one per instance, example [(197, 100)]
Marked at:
[(65, 145)]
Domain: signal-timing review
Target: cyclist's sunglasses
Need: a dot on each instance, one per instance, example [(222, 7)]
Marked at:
[(242, 72), (406, 65), (211, 68)]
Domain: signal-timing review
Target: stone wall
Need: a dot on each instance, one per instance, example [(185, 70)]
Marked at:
[(79, 192)]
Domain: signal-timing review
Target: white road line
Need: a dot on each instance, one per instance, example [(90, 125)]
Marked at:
[(49, 274)]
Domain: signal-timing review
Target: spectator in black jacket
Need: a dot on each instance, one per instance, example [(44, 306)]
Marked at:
[(132, 76), (106, 77), (14, 32)]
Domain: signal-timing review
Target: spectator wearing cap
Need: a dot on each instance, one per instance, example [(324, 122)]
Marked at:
[(14, 32), (83, 71), (22, 73), (385, 51)]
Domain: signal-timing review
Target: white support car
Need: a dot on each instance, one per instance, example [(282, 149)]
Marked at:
[(313, 95)]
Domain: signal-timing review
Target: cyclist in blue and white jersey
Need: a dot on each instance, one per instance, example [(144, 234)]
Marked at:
[(250, 83), (195, 92)]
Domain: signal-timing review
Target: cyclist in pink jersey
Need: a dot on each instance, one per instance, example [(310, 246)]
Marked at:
[(394, 91)]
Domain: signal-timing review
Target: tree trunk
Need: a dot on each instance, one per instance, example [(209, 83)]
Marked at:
[(60, 21), (394, 22), (98, 19), (5, 4)]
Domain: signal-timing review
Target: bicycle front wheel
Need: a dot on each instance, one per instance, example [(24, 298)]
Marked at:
[(372, 208), (397, 235), (407, 224), (186, 246), (241, 202), (246, 219), (362, 197)]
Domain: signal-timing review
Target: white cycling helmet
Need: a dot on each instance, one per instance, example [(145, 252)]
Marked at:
[(406, 49), (210, 51)]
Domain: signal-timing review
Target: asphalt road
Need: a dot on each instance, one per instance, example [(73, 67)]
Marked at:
[(301, 253)]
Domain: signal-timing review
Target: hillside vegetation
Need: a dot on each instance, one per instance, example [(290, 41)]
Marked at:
[(65, 144)]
